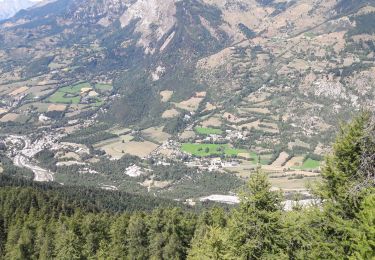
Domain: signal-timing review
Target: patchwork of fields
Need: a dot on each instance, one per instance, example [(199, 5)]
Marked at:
[(76, 93)]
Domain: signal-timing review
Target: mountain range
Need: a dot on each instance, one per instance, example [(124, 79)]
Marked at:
[(271, 77), (276, 64)]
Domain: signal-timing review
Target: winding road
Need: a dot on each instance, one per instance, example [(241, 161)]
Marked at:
[(23, 155), (40, 174)]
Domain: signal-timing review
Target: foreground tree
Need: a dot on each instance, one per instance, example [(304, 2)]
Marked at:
[(347, 193), (137, 239), (255, 227), (350, 169), (211, 236)]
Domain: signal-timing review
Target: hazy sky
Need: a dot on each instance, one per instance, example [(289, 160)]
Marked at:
[(30, 0)]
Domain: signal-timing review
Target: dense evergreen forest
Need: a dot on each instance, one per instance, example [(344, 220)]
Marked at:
[(47, 223), (92, 199)]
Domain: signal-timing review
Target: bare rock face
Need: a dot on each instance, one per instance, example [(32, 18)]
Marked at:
[(154, 19), (10, 7), (89, 11)]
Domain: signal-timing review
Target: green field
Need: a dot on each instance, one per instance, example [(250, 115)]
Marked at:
[(103, 87), (208, 131), (202, 150), (264, 159), (309, 164), (60, 97), (98, 102), (71, 94), (75, 89)]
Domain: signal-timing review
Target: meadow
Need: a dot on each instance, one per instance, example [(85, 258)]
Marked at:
[(72, 94), (64, 98), (208, 131), (203, 150), (308, 164), (75, 89), (103, 87), (69, 94)]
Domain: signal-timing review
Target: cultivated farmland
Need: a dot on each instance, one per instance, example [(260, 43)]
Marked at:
[(208, 131), (309, 164), (64, 98), (203, 150)]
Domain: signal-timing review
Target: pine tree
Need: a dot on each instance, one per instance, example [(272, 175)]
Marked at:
[(210, 238), (342, 193), (2, 236), (12, 250), (157, 234), (94, 230), (342, 169), (210, 242), (363, 230), (173, 248), (255, 227), (118, 237), (104, 251), (136, 238), (68, 244)]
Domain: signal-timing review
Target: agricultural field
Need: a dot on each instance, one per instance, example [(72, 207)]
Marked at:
[(38, 107), (11, 117), (97, 102), (64, 98), (110, 143), (295, 161), (40, 90), (120, 130), (75, 89), (170, 113), (244, 169), (281, 160), (212, 122), (69, 94), (156, 134), (191, 105), (166, 95), (203, 150), (309, 164), (208, 131), (187, 135), (103, 87), (19, 91), (75, 94), (118, 147), (265, 159), (58, 107), (292, 184)]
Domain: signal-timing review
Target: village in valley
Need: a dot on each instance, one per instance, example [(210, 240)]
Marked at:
[(211, 138), (208, 143)]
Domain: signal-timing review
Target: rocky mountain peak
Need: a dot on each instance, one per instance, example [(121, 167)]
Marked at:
[(154, 19), (10, 7)]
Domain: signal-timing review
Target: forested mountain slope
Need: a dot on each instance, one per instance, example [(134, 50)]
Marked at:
[(87, 199)]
